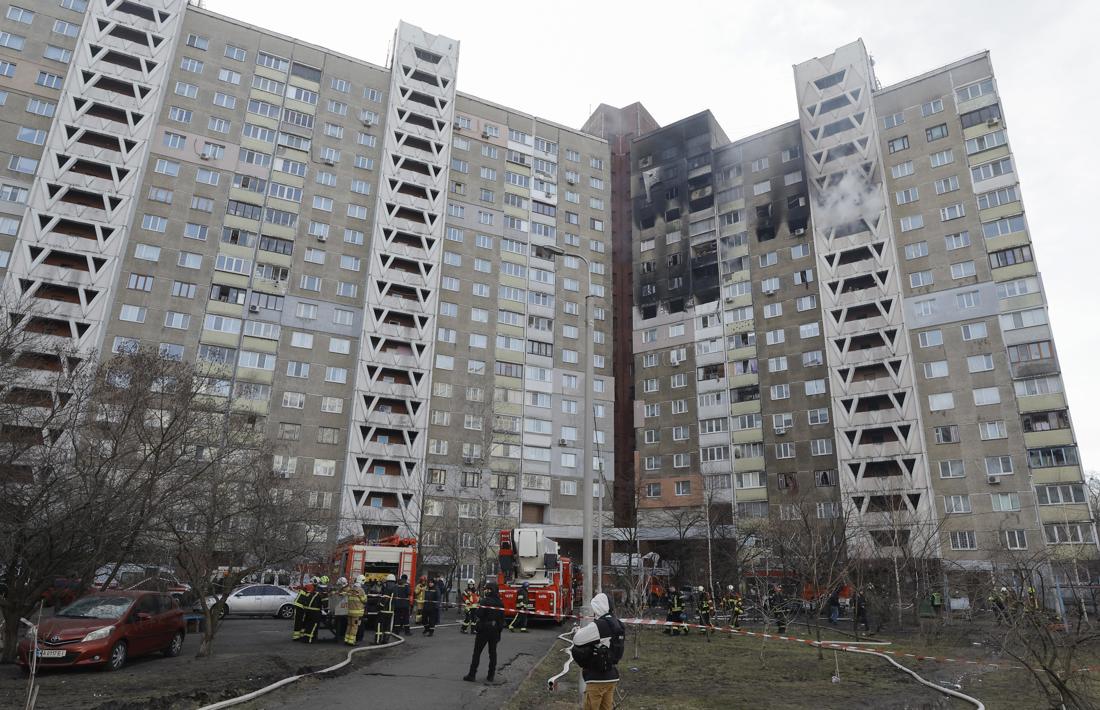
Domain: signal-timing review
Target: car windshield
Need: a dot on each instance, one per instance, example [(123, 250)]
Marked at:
[(97, 608)]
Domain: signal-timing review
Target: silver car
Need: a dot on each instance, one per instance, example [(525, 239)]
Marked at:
[(258, 600)]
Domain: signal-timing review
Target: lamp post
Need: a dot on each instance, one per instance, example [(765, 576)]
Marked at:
[(589, 434)]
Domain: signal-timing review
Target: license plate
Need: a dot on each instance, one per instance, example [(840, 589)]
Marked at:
[(50, 653)]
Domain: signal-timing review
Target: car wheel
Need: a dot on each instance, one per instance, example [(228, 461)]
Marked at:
[(176, 646), (286, 611), (117, 658), (220, 612)]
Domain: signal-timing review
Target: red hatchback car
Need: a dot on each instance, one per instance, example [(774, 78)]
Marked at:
[(106, 628)]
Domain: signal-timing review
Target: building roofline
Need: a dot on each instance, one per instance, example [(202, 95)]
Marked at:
[(932, 72), (540, 119), (191, 7), (761, 134)]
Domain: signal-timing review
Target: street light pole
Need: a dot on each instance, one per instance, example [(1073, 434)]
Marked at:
[(589, 430)]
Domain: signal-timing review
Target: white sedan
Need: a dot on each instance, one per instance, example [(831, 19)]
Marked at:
[(258, 600)]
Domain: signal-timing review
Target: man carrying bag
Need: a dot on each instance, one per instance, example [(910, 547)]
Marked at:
[(597, 649)]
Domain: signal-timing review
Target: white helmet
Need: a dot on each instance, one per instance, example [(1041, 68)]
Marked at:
[(391, 578), (700, 588), (342, 581), (361, 579), (729, 587), (470, 582)]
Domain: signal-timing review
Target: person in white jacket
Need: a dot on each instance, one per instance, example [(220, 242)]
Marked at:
[(597, 649)]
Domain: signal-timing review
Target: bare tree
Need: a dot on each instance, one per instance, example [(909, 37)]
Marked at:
[(89, 454), (237, 521), (810, 541)]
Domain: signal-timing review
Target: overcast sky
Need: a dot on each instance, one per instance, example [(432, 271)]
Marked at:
[(559, 59)]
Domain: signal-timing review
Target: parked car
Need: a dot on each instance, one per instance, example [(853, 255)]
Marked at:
[(152, 578), (256, 600), (106, 628)]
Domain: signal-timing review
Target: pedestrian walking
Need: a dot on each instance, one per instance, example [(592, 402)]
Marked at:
[(597, 649), (523, 604), (469, 605), (489, 623), (355, 601), (431, 608)]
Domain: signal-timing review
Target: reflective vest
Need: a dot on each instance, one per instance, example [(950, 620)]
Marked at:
[(675, 602), (521, 600), (300, 600), (705, 606), (469, 600)]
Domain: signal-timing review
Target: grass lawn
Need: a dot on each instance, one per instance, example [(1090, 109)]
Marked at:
[(689, 672)]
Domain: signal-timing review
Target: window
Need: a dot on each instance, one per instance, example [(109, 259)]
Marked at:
[(1016, 539), (956, 504), (947, 434), (919, 279), (683, 488), (911, 222), (952, 468), (821, 447), (898, 144), (906, 196), (133, 314), (993, 430), (944, 157), (963, 540), (998, 465), (935, 133), (952, 212), (947, 184), (1070, 533), (941, 402)]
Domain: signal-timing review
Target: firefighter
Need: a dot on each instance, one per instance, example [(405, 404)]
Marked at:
[(489, 622), (522, 605), (706, 608), (401, 594), (312, 611), (421, 587), (385, 610), (431, 608), (675, 618), (374, 611), (300, 611), (469, 605), (776, 602), (737, 608), (338, 607), (356, 602)]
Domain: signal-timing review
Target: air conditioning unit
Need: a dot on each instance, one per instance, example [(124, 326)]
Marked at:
[(253, 308), (485, 134), (205, 156), (994, 480), (501, 492), (800, 231), (571, 181), (322, 237), (993, 122), (730, 299), (769, 293), (468, 459), (690, 303), (780, 430), (441, 487), (328, 161), (457, 127), (563, 442)]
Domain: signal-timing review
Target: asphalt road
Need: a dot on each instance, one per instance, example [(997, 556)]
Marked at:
[(424, 673)]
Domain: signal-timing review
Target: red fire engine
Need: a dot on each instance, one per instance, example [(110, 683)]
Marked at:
[(526, 555)]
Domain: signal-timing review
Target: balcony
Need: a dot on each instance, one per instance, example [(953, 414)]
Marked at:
[(389, 419), (397, 359)]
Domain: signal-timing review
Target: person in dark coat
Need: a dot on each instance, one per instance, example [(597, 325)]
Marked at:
[(402, 593), (489, 623), (431, 608)]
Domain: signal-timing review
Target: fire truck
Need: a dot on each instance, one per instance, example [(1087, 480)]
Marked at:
[(526, 555), (390, 555)]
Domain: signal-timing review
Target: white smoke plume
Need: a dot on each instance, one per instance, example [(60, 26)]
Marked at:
[(850, 199)]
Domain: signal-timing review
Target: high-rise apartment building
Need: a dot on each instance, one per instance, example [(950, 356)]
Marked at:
[(846, 311), (442, 310), (392, 279)]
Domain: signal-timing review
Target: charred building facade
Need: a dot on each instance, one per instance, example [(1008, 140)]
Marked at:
[(844, 312)]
